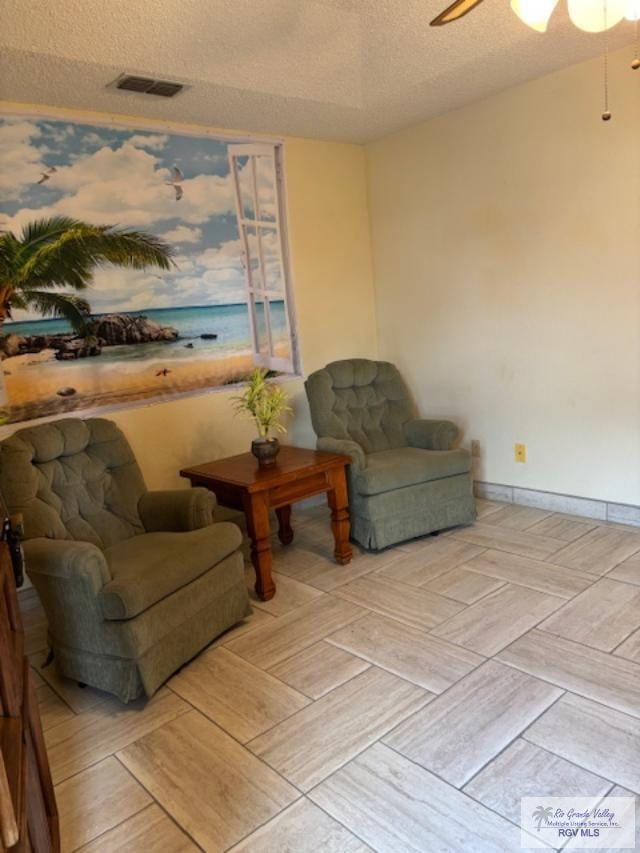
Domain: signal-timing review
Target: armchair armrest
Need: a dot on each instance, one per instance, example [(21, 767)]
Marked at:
[(67, 559), (347, 447), (176, 510), (430, 434)]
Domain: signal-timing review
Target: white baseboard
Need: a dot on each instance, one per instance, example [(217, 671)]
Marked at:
[(569, 504)]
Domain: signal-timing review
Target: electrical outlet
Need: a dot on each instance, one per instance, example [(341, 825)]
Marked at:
[(475, 448), (520, 453)]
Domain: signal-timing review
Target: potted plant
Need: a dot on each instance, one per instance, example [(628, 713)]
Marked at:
[(266, 403)]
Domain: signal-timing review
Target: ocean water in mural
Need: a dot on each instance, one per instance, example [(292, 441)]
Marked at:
[(229, 323), (158, 332)]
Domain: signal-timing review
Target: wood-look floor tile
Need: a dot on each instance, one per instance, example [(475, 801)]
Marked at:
[(408, 652), (553, 580), (516, 517), (496, 620), (96, 800), (459, 732), (568, 528), (630, 649), (428, 560), (412, 605), (599, 550), (78, 698), (334, 577), (211, 785), (595, 737), (302, 828), (299, 559), (320, 570), (290, 593), (623, 792), (313, 743), (398, 807), (290, 634), (319, 669), (464, 586), (599, 676), (36, 678), (600, 617), (53, 710), (256, 619), (513, 541), (486, 507), (149, 831), (239, 697), (629, 571), (526, 770), (105, 728)]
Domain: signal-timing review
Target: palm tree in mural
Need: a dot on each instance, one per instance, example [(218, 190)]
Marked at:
[(53, 260), (542, 814)]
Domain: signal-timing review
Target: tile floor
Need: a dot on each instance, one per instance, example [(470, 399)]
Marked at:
[(405, 702)]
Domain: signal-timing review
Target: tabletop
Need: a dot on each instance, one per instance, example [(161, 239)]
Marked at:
[(243, 470)]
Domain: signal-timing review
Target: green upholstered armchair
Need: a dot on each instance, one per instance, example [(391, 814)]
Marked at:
[(405, 480), (134, 583)]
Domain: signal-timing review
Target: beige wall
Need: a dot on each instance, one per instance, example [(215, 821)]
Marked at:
[(333, 292), (506, 243)]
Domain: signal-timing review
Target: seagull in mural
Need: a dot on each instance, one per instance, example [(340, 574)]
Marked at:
[(175, 181), (47, 174)]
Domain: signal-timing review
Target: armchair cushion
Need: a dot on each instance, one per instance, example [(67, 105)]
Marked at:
[(176, 510), (347, 447), (430, 434), (73, 479), (407, 466), (149, 567), (360, 400)]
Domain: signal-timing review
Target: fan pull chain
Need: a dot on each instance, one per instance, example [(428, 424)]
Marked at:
[(636, 59), (606, 115)]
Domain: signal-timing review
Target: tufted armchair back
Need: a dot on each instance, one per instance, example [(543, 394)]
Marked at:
[(362, 401), (73, 479)]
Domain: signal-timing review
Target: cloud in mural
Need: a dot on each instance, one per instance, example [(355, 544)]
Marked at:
[(183, 234), (128, 187), (21, 161), (149, 140)]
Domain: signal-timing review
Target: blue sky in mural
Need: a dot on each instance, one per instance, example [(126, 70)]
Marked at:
[(120, 176)]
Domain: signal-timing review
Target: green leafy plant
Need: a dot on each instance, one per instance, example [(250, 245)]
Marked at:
[(264, 401), (60, 252)]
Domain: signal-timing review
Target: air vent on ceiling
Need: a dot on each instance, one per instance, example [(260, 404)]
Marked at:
[(148, 86)]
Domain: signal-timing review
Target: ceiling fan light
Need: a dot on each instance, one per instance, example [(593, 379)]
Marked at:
[(632, 12), (534, 13), (595, 16)]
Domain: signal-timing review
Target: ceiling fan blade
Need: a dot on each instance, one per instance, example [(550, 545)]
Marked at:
[(454, 11)]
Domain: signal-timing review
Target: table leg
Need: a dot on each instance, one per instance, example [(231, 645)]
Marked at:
[(338, 500), (285, 530), (256, 510)]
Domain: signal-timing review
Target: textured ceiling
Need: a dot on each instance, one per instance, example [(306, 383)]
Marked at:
[(334, 69)]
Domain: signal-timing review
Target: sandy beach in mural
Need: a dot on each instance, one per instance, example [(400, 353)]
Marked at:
[(211, 349), (33, 381)]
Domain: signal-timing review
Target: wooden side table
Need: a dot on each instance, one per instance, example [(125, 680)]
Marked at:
[(240, 483)]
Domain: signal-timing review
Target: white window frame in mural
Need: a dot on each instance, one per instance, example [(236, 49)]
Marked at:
[(245, 156)]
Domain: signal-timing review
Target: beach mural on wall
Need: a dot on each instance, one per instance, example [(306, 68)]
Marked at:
[(221, 308)]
